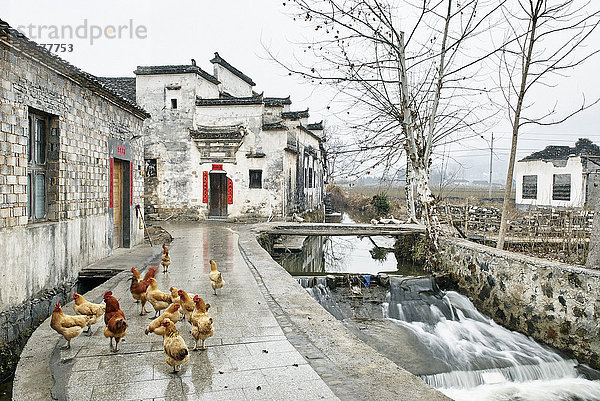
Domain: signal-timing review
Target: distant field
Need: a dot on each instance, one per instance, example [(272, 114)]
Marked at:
[(450, 193)]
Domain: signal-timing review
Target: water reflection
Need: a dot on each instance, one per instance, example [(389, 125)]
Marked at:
[(344, 254)]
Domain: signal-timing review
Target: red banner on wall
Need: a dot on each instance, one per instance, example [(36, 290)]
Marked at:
[(110, 183), (130, 183), (205, 187), (217, 167), (229, 191)]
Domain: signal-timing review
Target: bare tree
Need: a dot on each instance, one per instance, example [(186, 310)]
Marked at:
[(549, 39), (406, 88)]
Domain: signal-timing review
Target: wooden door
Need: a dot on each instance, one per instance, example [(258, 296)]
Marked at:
[(218, 194), (117, 204)]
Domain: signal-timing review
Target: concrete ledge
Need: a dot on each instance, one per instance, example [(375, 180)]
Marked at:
[(366, 374)]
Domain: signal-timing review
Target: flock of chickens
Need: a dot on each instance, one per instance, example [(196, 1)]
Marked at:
[(177, 304)]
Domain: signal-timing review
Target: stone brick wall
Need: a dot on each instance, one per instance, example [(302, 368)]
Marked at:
[(85, 125), (552, 302)]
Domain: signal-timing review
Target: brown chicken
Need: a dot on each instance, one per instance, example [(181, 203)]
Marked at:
[(114, 318), (156, 327), (83, 307), (68, 326), (138, 286), (216, 280), (176, 352), (175, 295), (201, 321), (159, 300), (187, 304), (165, 260)]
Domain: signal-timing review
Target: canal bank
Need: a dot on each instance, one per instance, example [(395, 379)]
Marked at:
[(309, 355)]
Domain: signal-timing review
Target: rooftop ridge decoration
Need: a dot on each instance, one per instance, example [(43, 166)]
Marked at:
[(315, 126), (174, 69), (23, 44), (277, 126), (295, 115), (221, 61), (277, 101), (230, 101), (583, 147)]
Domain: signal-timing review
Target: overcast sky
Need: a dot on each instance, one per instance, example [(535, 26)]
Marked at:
[(175, 32)]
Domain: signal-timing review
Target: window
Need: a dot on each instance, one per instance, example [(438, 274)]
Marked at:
[(150, 167), (530, 187), (310, 177), (36, 166), (255, 178), (173, 103), (561, 187)]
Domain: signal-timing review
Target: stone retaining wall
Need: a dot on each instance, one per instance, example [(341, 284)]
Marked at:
[(552, 302)]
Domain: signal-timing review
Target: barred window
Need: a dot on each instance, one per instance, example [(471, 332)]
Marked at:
[(36, 166), (150, 167), (255, 179), (561, 187), (530, 187)]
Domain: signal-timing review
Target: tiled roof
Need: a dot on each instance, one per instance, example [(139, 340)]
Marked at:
[(315, 126), (583, 146), (124, 86), (277, 101), (295, 115), (225, 131), (175, 69), (23, 44), (219, 60), (274, 126), (229, 101)]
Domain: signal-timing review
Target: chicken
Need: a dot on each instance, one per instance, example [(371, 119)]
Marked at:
[(172, 313), (176, 352), (165, 259), (216, 280), (68, 326), (175, 295), (201, 321), (114, 318), (138, 286), (159, 300), (83, 307), (187, 304)]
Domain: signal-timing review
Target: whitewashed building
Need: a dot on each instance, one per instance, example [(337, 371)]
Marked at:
[(558, 176), (216, 148)]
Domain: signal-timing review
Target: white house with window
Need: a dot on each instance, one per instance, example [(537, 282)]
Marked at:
[(214, 148), (558, 176)]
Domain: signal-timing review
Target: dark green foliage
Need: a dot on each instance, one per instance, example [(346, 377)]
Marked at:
[(381, 204)]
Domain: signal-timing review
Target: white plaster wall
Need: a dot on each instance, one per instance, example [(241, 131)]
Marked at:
[(250, 116), (231, 83), (41, 256), (545, 171)]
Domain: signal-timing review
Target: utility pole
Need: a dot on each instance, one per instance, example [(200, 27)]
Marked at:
[(491, 156)]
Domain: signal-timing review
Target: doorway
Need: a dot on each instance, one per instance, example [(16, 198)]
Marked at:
[(117, 188), (218, 194)]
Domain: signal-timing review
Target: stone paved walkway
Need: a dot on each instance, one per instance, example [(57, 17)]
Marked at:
[(272, 340), (249, 358)]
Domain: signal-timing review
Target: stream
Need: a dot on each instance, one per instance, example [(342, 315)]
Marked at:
[(437, 335)]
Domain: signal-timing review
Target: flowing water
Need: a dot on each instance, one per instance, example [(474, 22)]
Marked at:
[(437, 335)]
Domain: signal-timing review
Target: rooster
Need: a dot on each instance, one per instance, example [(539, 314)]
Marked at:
[(68, 326), (138, 286), (114, 318), (176, 352), (159, 300), (201, 321), (86, 308), (187, 304), (172, 313), (216, 280), (165, 259)]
